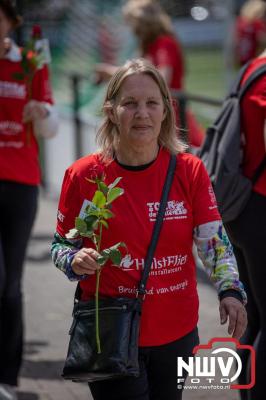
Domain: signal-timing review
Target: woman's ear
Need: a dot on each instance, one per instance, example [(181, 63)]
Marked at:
[(111, 115)]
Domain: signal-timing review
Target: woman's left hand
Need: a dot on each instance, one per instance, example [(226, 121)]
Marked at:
[(34, 110), (234, 309)]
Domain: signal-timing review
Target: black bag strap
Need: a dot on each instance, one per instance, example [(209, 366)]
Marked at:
[(251, 79), (259, 171), (155, 233), (157, 226), (237, 81)]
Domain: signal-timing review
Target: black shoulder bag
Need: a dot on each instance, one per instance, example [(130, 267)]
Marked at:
[(119, 320)]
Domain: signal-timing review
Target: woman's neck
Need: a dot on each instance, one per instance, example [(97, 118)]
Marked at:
[(135, 157)]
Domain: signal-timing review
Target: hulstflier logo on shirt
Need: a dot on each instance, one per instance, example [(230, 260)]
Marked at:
[(174, 210), (160, 266)]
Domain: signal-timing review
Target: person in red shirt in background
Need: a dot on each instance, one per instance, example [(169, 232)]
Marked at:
[(248, 232), (22, 116), (159, 44), (136, 139), (250, 31)]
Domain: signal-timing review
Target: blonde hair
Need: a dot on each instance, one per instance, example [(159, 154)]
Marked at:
[(253, 9), (148, 20), (108, 135)]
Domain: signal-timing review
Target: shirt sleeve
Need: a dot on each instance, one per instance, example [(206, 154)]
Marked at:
[(41, 87), (216, 254), (203, 198), (63, 251), (69, 203)]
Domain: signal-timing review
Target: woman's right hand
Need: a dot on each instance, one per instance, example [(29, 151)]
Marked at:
[(84, 262)]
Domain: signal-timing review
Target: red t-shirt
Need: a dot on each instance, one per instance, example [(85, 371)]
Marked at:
[(247, 38), (170, 309), (18, 159), (165, 51), (253, 117)]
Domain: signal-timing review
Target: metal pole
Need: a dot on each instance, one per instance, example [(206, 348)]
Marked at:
[(182, 105), (19, 33), (75, 83)]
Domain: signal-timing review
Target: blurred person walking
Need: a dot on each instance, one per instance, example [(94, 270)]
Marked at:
[(250, 31), (159, 44), (26, 110), (248, 231)]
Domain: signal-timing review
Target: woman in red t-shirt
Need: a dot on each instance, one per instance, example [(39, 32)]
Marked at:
[(136, 139), (159, 44), (21, 118)]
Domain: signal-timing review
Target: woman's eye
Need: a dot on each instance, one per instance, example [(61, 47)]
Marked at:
[(152, 102), (129, 103)]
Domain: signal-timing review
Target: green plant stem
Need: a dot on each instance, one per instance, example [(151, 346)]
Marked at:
[(98, 342), (98, 274)]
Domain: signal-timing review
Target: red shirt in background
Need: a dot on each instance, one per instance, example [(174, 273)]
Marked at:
[(19, 160), (170, 309), (253, 115), (166, 51), (248, 38)]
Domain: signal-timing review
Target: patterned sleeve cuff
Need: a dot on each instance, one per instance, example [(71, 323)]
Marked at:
[(231, 293)]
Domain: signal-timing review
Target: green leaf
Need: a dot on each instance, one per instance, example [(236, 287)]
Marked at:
[(116, 181), (104, 223), (106, 214), (103, 187), (99, 199), (80, 225), (72, 234), (115, 256), (102, 259), (114, 194), (91, 222)]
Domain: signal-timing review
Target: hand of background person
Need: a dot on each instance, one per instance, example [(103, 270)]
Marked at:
[(103, 72), (234, 309), (34, 110), (84, 262)]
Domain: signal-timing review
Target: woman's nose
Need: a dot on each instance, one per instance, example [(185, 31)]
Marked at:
[(142, 111)]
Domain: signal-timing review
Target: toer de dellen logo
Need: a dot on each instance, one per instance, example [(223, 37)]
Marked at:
[(219, 364)]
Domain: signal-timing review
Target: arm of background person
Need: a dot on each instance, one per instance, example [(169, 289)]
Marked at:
[(44, 117), (103, 72), (167, 73)]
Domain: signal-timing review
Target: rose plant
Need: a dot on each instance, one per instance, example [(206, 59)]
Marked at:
[(96, 216)]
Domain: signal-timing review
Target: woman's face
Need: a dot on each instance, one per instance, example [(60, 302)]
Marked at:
[(5, 25), (138, 111)]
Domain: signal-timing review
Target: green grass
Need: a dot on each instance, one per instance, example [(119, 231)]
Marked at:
[(205, 75)]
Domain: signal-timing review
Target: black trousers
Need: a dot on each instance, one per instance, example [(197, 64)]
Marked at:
[(248, 236), (18, 205), (158, 374)]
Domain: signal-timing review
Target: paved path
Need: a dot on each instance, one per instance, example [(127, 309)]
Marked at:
[(48, 303)]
